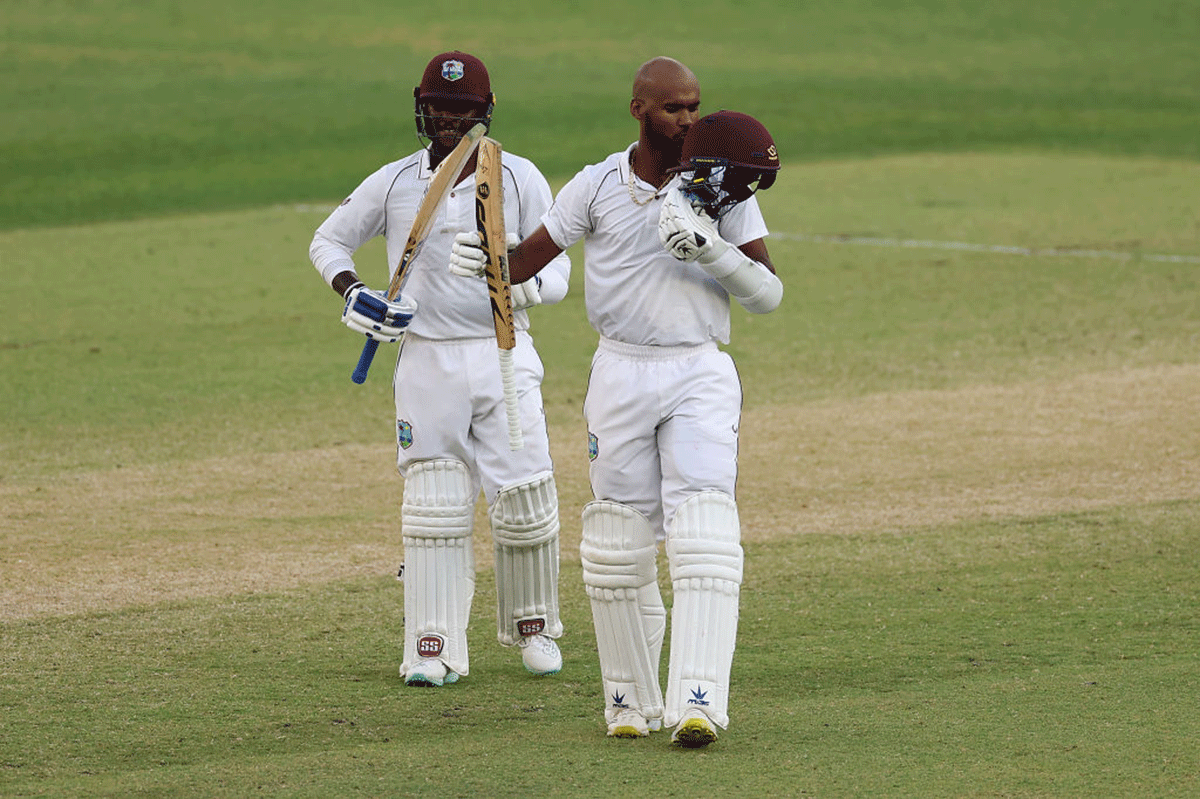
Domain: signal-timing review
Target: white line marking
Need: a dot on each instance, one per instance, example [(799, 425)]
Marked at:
[(871, 241), (923, 244), (309, 208)]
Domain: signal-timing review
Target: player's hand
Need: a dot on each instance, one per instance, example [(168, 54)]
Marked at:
[(687, 234), (467, 257), (527, 294), (369, 312)]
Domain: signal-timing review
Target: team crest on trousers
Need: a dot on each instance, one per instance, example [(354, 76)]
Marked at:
[(593, 447), (452, 70), (404, 434)]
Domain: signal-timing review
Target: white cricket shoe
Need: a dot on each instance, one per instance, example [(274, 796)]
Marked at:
[(430, 673), (628, 724), (540, 654), (694, 730)]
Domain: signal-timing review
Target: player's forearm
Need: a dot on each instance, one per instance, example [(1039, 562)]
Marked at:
[(333, 262), (751, 283), (344, 281), (531, 255)]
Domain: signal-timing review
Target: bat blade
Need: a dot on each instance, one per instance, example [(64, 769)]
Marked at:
[(489, 221)]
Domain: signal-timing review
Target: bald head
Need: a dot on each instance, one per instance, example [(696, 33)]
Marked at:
[(661, 76), (666, 100)]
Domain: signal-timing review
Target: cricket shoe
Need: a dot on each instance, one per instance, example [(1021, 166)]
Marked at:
[(430, 673), (540, 655), (628, 724), (694, 730)]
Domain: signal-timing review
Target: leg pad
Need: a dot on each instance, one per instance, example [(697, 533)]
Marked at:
[(439, 563), (705, 554), (525, 529), (618, 551)]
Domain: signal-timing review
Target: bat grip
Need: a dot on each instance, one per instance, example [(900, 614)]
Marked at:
[(513, 410), (364, 361)]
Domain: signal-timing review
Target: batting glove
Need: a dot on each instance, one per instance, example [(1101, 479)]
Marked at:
[(467, 257), (371, 313), (527, 294), (687, 234)]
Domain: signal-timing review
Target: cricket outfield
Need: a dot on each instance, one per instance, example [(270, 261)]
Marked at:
[(970, 463)]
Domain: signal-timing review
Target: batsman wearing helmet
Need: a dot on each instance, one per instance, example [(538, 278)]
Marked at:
[(451, 426), (671, 232)]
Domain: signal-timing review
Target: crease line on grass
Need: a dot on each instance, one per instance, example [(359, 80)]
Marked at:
[(1002, 249)]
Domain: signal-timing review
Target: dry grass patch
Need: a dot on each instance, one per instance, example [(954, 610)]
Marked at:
[(223, 526), (932, 457)]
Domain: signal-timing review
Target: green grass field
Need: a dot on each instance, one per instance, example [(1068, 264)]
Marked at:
[(970, 462)]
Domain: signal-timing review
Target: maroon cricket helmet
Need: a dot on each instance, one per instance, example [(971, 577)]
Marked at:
[(726, 157), (457, 78)]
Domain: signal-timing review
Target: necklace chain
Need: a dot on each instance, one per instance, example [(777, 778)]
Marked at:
[(629, 183)]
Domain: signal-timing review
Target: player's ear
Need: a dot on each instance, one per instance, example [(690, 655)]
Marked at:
[(636, 108)]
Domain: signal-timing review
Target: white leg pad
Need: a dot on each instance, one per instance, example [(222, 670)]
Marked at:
[(618, 551), (439, 562), (705, 555), (525, 529)]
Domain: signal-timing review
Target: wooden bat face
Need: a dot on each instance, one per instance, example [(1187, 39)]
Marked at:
[(489, 220)]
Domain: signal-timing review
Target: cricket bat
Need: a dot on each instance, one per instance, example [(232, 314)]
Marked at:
[(489, 221), (435, 194)]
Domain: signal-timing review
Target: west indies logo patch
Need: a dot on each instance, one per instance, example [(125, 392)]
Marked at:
[(404, 434)]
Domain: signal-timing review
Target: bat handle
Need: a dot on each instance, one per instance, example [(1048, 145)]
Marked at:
[(511, 406), (364, 361)]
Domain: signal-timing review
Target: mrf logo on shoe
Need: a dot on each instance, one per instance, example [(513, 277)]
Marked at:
[(430, 646), (528, 627), (698, 697)]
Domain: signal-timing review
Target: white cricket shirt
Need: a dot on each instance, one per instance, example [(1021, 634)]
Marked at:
[(635, 291), (449, 306)]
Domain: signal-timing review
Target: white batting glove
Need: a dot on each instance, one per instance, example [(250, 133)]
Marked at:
[(466, 254), (688, 235), (527, 294), (467, 257), (370, 313)]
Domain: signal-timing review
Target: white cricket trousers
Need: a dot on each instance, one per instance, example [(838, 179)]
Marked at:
[(662, 425), (450, 404)]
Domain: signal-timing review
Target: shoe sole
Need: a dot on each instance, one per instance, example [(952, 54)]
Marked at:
[(421, 681), (626, 731), (694, 734)]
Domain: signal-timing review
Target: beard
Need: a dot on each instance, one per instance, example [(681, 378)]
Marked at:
[(670, 146), (447, 135)]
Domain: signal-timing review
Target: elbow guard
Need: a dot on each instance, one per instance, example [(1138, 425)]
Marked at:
[(755, 287)]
